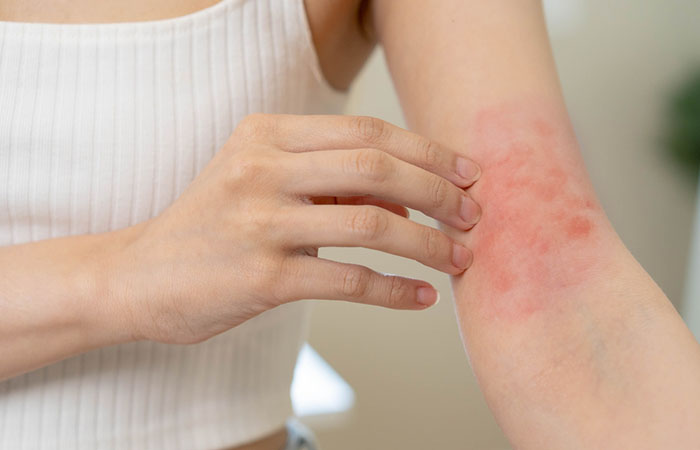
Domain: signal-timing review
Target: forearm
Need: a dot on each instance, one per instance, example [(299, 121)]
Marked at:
[(566, 332), (570, 339), (54, 301)]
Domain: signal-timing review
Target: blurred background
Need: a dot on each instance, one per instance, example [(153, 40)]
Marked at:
[(624, 65)]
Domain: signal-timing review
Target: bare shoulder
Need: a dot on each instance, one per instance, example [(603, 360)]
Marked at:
[(342, 37)]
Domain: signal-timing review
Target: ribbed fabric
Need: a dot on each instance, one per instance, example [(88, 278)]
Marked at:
[(102, 126)]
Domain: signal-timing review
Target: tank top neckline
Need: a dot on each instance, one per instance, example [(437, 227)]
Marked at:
[(168, 21)]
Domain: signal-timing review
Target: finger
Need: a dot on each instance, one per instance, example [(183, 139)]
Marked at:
[(375, 228), (302, 133), (373, 172), (363, 200), (321, 278)]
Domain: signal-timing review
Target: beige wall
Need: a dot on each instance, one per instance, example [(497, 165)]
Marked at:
[(617, 61)]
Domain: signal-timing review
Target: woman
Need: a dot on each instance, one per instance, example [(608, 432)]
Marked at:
[(573, 344)]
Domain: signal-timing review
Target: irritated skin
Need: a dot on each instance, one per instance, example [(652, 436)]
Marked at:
[(558, 319), (533, 329), (537, 212)]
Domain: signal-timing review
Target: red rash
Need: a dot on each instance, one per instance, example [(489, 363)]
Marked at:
[(538, 228)]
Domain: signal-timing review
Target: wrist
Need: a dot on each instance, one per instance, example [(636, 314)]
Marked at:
[(101, 284)]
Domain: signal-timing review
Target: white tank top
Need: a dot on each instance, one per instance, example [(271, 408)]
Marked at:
[(102, 126)]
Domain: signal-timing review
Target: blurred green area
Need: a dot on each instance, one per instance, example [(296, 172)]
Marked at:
[(682, 136)]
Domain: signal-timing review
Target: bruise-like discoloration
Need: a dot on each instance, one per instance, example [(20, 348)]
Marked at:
[(539, 220)]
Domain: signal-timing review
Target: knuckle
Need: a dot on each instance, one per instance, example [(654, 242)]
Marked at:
[(255, 125), (430, 153), (247, 170), (370, 223), (355, 281), (258, 224), (432, 243), (370, 129), (370, 164), (439, 190), (398, 291), (251, 122)]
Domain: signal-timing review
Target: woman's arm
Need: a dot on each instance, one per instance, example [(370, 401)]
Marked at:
[(54, 300), (573, 344)]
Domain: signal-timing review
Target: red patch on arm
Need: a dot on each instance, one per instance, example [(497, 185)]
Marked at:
[(578, 227), (538, 227)]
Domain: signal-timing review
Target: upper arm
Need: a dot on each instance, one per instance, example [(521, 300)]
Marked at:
[(463, 54), (340, 38)]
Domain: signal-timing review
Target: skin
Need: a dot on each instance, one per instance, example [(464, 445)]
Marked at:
[(537, 211), (573, 344)]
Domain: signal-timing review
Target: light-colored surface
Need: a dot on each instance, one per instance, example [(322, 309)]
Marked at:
[(317, 389), (617, 61)]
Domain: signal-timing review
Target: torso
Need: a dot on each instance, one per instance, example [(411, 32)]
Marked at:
[(340, 31)]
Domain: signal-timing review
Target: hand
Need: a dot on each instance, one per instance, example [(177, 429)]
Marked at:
[(244, 236)]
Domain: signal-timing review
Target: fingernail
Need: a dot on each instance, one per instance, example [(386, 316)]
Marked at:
[(469, 211), (461, 256), (427, 296), (467, 169)]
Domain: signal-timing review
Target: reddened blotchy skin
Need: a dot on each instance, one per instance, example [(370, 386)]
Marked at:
[(539, 232)]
